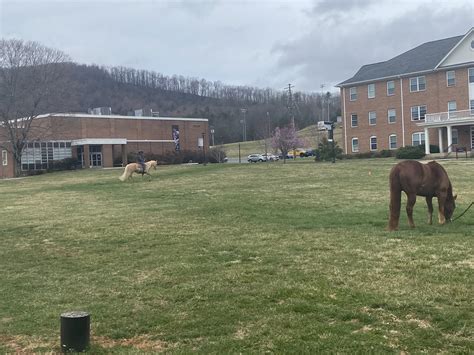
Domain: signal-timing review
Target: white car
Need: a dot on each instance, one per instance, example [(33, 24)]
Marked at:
[(271, 157), (254, 158)]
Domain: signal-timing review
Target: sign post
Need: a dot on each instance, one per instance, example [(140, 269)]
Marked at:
[(329, 126)]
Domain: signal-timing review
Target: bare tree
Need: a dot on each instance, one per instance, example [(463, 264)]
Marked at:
[(29, 77)]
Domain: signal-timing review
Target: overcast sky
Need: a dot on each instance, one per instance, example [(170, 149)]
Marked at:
[(264, 43)]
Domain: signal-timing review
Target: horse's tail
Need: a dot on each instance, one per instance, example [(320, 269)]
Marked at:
[(124, 176), (395, 198)]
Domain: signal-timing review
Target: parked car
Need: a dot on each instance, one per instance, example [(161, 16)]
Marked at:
[(254, 158), (299, 152), (270, 157)]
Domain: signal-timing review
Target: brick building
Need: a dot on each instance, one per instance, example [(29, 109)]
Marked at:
[(98, 140), (421, 97)]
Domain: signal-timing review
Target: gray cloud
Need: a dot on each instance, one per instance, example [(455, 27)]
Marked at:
[(265, 43), (336, 6), (330, 53)]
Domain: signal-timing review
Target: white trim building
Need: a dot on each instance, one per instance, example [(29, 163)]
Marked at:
[(422, 96)]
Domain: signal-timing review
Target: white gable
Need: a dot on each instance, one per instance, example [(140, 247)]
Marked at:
[(462, 53)]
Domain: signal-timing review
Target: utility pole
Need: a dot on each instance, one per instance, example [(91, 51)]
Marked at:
[(322, 104), (269, 125), (291, 105), (328, 100), (266, 137)]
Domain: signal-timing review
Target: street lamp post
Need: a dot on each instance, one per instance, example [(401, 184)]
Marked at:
[(204, 149), (244, 125)]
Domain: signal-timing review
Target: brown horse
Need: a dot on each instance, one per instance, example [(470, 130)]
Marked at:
[(428, 180), (136, 168)]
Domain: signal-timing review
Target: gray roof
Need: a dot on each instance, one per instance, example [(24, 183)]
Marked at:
[(422, 58)]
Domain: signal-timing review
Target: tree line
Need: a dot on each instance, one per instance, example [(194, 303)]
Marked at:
[(211, 89)]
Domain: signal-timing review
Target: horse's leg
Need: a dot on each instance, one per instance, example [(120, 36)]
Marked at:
[(441, 202), (429, 202), (395, 202), (411, 199)]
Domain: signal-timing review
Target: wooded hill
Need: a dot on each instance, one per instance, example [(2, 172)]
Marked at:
[(126, 89)]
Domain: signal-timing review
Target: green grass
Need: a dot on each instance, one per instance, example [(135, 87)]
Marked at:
[(230, 258)]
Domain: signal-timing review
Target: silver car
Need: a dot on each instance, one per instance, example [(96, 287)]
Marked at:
[(255, 158)]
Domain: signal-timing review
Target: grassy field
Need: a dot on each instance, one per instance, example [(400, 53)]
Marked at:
[(229, 258)]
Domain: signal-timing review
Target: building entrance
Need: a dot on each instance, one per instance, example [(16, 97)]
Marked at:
[(95, 156)]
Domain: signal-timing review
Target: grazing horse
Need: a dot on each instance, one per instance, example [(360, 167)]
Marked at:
[(136, 168), (428, 180)]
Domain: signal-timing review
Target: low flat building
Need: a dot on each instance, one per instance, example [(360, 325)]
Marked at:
[(97, 140), (421, 97)]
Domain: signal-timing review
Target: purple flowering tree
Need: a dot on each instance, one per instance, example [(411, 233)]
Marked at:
[(285, 140)]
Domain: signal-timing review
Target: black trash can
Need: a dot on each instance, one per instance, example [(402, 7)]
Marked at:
[(75, 331)]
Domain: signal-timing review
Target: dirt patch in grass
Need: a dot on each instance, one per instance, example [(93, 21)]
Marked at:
[(25, 344), (140, 342)]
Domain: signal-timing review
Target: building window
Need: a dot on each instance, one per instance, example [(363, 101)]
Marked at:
[(471, 75), (454, 136), (40, 155), (372, 118), (355, 145), (390, 88), (452, 108), (371, 91), (353, 94), (472, 106), (392, 141), (354, 120), (4, 158), (418, 138), (392, 115), (417, 84), (451, 78), (373, 143), (418, 113)]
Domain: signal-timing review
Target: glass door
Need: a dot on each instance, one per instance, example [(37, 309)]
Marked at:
[(95, 156)]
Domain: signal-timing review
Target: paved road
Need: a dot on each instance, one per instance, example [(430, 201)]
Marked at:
[(236, 160)]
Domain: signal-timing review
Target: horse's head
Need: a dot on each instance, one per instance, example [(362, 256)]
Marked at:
[(153, 164), (449, 207)]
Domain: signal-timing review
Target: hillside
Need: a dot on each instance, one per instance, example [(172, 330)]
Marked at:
[(125, 90)]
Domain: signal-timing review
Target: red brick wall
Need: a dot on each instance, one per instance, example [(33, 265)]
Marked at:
[(435, 97), (131, 129), (70, 128)]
